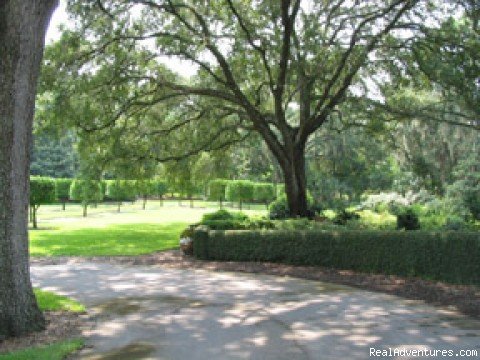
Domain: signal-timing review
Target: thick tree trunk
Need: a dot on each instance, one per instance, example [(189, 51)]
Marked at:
[(296, 182), (22, 32)]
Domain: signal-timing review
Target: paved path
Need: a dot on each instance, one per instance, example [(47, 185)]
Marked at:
[(155, 313)]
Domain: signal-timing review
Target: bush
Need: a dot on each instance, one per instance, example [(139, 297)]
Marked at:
[(62, 190), (447, 256), (407, 219), (42, 191), (455, 223), (279, 209), (216, 190), (344, 216), (225, 220), (263, 192), (239, 191)]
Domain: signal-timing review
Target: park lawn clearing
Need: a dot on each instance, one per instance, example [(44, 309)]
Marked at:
[(112, 240)]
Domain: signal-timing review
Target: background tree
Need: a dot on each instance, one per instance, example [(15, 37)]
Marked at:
[(87, 191), (263, 193), (22, 30), (240, 191), (216, 190), (62, 190), (42, 191), (161, 188)]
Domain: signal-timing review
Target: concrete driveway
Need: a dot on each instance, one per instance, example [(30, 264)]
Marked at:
[(155, 313)]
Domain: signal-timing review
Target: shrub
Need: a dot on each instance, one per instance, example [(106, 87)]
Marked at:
[(42, 191), (216, 190), (455, 223), (225, 220), (343, 216), (62, 190), (86, 191), (407, 219), (447, 256), (239, 191), (263, 193), (279, 209)]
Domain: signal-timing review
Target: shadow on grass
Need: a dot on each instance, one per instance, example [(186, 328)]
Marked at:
[(113, 240)]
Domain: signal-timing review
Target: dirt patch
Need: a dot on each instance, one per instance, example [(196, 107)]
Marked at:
[(465, 299), (60, 326)]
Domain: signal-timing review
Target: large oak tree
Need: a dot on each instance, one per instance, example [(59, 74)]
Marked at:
[(22, 34), (282, 68)]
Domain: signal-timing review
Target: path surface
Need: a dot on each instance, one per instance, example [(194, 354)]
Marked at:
[(155, 313)]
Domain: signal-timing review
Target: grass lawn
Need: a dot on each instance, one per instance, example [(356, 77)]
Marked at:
[(106, 232), (57, 351)]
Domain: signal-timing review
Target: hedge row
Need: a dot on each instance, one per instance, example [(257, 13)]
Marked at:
[(241, 191), (449, 256)]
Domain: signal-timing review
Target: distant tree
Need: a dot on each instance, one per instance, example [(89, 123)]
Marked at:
[(216, 190), (42, 191), (240, 191), (263, 193), (86, 191), (160, 189), (121, 190), (145, 189), (54, 155), (62, 190)]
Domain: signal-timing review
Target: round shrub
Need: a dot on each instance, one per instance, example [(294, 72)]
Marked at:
[(42, 191), (216, 190), (264, 192), (407, 219), (239, 191), (344, 216), (86, 191), (62, 189)]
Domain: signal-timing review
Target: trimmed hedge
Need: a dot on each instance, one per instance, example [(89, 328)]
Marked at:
[(239, 191), (62, 190), (216, 190), (449, 256)]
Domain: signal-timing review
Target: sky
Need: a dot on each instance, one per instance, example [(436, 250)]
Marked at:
[(60, 17)]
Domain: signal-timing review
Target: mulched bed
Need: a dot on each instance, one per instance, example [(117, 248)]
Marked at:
[(465, 299), (61, 325)]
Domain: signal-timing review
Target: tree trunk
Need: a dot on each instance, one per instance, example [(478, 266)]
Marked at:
[(85, 206), (221, 203), (296, 182), (161, 200), (34, 216), (144, 206), (63, 206), (118, 206), (191, 202), (22, 32)]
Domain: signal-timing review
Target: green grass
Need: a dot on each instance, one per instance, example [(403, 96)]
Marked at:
[(48, 301), (56, 351), (129, 239), (105, 232)]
